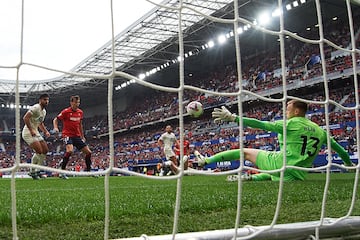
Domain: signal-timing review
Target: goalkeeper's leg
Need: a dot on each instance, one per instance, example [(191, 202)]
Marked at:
[(260, 177), (233, 155)]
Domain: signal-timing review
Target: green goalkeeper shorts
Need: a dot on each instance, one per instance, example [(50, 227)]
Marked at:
[(266, 160)]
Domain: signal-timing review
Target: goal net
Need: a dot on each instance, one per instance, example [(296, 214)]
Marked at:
[(302, 59), (317, 69)]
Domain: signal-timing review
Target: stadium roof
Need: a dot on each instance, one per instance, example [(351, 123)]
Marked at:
[(135, 48), (152, 43)]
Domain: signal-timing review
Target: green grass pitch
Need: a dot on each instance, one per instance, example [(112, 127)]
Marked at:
[(74, 209)]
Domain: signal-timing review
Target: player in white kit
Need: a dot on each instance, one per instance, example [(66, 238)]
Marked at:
[(34, 120), (167, 141)]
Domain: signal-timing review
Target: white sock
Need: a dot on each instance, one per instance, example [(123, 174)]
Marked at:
[(41, 159), (34, 160)]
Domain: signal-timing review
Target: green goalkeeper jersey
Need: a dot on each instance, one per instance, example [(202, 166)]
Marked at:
[(304, 139)]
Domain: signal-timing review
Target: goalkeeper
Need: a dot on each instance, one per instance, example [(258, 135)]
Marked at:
[(304, 139)]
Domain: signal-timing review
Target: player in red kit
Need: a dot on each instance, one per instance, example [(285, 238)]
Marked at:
[(186, 152), (72, 132)]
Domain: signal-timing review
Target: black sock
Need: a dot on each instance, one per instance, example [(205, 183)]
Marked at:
[(88, 162), (65, 160)]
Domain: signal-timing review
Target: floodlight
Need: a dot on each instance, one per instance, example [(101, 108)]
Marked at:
[(276, 12), (288, 7), (240, 30), (264, 19), (295, 3), (302, 1), (221, 39), (211, 43)]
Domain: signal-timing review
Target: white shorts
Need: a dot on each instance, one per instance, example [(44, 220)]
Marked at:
[(169, 153), (26, 135)]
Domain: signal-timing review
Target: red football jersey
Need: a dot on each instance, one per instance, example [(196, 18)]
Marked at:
[(186, 148), (71, 122)]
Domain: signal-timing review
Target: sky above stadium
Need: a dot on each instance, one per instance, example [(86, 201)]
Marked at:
[(59, 34)]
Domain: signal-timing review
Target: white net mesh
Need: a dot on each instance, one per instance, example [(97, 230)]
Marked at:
[(325, 227)]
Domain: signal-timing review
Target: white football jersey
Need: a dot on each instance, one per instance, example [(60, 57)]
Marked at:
[(168, 139), (37, 116)]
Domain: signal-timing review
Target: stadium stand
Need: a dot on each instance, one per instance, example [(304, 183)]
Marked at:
[(137, 148), (260, 74)]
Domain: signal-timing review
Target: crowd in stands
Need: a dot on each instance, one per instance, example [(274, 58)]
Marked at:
[(133, 147), (259, 74)]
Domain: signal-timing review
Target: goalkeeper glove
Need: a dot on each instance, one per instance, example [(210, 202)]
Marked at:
[(223, 114)]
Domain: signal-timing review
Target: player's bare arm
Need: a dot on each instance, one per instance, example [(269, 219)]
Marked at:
[(55, 124), (44, 130), (82, 131), (160, 143)]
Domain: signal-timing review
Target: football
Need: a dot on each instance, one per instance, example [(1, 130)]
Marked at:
[(195, 109)]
